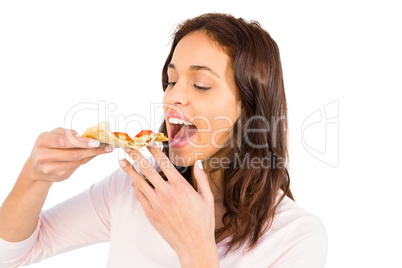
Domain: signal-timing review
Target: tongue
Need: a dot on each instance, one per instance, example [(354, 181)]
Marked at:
[(185, 132)]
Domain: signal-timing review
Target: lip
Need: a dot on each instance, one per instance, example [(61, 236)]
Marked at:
[(183, 142)]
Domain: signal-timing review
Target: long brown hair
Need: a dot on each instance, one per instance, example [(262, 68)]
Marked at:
[(250, 192)]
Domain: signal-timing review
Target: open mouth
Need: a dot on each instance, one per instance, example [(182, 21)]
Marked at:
[(180, 130)]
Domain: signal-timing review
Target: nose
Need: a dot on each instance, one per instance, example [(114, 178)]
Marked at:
[(177, 96)]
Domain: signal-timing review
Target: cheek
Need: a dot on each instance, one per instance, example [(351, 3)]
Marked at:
[(225, 116), (223, 124), (165, 108), (216, 130), (221, 133), (165, 102)]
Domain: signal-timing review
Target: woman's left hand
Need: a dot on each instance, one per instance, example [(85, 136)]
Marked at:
[(183, 217)]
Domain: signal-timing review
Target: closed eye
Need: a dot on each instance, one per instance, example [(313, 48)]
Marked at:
[(171, 84), (195, 86), (201, 88)]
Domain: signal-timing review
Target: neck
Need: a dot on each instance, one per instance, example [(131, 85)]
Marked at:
[(215, 179)]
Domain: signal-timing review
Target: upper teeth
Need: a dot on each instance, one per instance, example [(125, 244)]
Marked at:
[(173, 120)]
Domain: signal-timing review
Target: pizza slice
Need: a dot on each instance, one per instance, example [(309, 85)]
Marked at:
[(103, 133)]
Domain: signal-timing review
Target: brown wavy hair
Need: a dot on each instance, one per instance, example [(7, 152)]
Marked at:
[(250, 193)]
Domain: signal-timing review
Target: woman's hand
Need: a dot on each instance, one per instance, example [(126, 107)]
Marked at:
[(57, 154), (182, 216)]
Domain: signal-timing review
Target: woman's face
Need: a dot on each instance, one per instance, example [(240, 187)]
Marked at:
[(200, 102)]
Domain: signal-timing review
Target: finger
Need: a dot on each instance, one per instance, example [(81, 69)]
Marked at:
[(164, 163), (204, 189), (55, 140), (59, 168), (146, 169), (74, 140), (74, 154), (143, 200), (138, 181), (62, 131)]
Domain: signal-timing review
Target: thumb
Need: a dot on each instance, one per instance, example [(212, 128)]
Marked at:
[(202, 181)]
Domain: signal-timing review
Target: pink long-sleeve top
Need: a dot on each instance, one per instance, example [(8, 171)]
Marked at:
[(109, 212)]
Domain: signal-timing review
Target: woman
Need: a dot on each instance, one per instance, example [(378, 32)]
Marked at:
[(218, 195)]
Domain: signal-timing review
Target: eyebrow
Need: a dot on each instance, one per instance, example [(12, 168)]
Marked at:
[(197, 68)]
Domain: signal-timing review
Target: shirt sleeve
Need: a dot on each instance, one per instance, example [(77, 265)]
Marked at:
[(77, 222), (309, 249)]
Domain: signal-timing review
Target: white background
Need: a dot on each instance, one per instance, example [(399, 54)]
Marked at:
[(55, 55)]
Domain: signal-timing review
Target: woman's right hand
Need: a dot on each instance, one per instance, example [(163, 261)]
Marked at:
[(57, 154)]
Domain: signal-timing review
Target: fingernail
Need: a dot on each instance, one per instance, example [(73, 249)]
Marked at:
[(94, 143), (127, 149), (122, 163), (109, 148), (199, 164)]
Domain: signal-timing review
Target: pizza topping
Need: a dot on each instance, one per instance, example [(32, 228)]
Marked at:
[(123, 136), (143, 132)]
